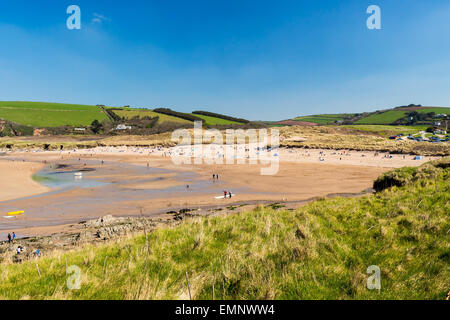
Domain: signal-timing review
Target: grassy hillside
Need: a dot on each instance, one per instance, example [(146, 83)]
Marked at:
[(319, 251), (43, 114), (215, 121), (391, 116), (129, 113), (382, 118), (324, 118)]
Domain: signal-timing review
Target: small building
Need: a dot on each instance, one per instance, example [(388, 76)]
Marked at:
[(123, 127)]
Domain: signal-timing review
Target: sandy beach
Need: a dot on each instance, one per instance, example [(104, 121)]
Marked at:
[(17, 182), (126, 181)]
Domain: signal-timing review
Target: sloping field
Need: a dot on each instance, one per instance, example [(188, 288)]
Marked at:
[(382, 118), (215, 121), (43, 114), (131, 113), (319, 251), (324, 118), (390, 116)]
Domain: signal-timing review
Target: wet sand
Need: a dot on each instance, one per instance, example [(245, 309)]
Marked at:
[(142, 181), (16, 180)]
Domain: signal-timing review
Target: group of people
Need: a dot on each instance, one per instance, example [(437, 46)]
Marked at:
[(20, 249), (12, 237), (215, 176), (227, 194)]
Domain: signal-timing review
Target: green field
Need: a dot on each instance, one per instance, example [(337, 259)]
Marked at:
[(382, 118), (129, 113), (319, 251), (43, 114), (390, 116), (437, 110), (324, 118), (215, 121)]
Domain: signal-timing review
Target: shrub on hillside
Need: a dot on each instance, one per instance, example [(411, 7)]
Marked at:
[(181, 115), (220, 116), (113, 115), (407, 175)]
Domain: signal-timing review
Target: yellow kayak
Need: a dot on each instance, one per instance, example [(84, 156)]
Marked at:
[(15, 213)]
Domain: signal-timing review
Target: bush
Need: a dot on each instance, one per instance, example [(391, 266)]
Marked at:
[(408, 175), (220, 116), (96, 126), (181, 115)]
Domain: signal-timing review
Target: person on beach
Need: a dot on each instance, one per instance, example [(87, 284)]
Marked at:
[(229, 193), (14, 236), (224, 194), (9, 238)]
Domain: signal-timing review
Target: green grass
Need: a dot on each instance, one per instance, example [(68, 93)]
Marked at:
[(43, 114), (324, 118), (390, 116), (382, 118), (131, 113), (437, 110), (319, 251), (215, 121)]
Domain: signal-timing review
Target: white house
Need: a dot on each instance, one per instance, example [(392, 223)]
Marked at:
[(123, 127)]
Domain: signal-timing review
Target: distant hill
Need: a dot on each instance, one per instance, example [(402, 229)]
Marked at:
[(404, 115), (54, 115), (21, 117)]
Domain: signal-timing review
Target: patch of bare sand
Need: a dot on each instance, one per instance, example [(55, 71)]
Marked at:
[(17, 182)]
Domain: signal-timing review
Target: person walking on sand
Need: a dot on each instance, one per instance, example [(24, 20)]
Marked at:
[(224, 194), (14, 236), (9, 238), (229, 193)]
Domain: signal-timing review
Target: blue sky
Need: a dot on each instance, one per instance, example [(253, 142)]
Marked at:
[(263, 60)]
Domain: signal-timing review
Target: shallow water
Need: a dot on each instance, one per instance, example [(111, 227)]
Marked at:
[(53, 180)]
